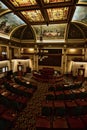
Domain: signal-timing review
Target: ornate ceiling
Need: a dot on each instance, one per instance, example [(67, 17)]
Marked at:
[(58, 14), (35, 12)]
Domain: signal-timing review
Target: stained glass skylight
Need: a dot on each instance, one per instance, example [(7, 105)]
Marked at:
[(33, 15), (58, 13), (43, 11), (55, 1), (20, 3)]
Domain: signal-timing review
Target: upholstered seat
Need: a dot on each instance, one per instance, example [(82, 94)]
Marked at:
[(60, 123), (42, 123), (75, 122)]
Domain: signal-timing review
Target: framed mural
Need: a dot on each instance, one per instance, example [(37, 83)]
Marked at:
[(55, 32), (2, 7), (80, 14), (8, 22)]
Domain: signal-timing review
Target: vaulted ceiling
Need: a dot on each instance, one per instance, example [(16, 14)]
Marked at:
[(41, 13)]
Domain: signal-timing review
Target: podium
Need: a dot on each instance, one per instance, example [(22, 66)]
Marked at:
[(20, 69), (81, 73)]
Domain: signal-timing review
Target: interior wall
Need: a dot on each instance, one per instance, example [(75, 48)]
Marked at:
[(50, 58), (78, 65), (25, 63), (4, 64), (73, 54), (16, 52)]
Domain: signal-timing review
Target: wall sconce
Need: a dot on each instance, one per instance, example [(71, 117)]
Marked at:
[(72, 50), (31, 49)]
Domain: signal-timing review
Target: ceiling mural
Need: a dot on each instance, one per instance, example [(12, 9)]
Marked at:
[(8, 22), (2, 7), (37, 12), (54, 32), (33, 15), (58, 13), (82, 0), (48, 17), (22, 3), (80, 14)]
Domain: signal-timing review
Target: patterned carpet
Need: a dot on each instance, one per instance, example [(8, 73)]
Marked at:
[(27, 118)]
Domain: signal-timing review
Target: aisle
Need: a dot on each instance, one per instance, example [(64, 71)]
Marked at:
[(27, 118)]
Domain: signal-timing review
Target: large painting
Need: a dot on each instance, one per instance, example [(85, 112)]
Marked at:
[(80, 14), (50, 32), (2, 7), (8, 22)]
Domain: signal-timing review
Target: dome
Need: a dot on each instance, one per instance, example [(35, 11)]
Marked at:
[(77, 30), (23, 32)]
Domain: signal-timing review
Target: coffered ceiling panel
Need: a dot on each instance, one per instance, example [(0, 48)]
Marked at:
[(33, 15), (55, 1), (20, 3), (58, 13)]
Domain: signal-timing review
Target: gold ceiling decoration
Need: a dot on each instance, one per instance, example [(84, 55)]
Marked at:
[(37, 12), (55, 1), (33, 15), (58, 13), (20, 3)]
